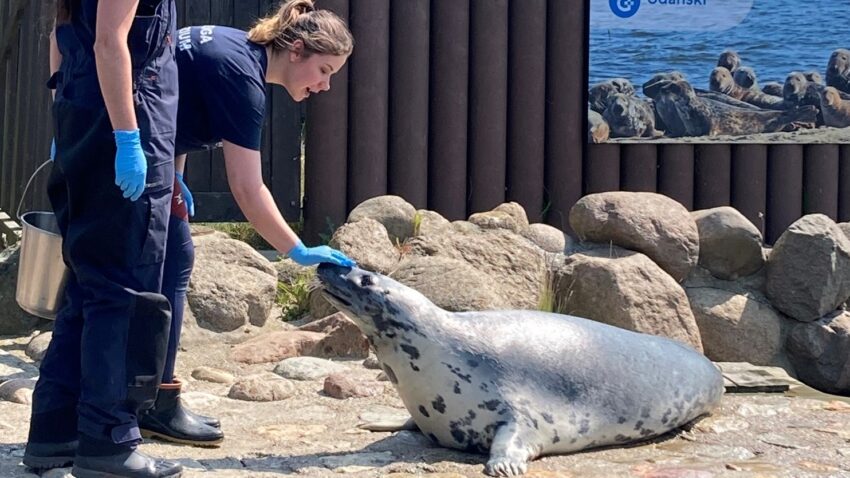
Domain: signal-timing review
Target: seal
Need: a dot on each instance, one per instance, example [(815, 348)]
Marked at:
[(653, 86), (746, 78), (686, 114), (772, 88), (601, 94), (521, 384), (721, 81), (798, 90), (836, 111), (729, 60), (630, 117), (598, 130), (838, 70)]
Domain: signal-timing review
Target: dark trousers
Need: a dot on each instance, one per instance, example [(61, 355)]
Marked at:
[(179, 258)]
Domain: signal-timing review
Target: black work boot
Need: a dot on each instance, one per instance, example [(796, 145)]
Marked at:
[(44, 456), (97, 459), (169, 420)]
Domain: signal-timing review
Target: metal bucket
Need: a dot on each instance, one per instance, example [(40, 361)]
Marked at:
[(41, 270)]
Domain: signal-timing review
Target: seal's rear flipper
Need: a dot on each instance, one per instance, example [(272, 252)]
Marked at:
[(509, 453), (389, 425)]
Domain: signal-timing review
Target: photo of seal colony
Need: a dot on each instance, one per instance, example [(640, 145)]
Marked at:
[(735, 107)]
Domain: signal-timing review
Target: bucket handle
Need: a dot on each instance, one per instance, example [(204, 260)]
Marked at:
[(26, 188)]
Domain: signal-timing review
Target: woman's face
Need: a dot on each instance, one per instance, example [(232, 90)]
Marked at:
[(310, 74)]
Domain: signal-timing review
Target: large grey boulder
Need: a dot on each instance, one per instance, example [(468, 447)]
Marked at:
[(819, 352), (13, 319), (650, 223), (368, 243), (508, 258), (232, 285), (625, 289), (548, 238), (455, 285), (729, 244), (393, 212), (736, 323), (808, 271)]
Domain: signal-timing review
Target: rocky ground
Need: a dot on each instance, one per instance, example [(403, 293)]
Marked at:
[(796, 434)]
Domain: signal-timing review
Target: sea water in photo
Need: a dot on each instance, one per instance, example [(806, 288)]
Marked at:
[(774, 37)]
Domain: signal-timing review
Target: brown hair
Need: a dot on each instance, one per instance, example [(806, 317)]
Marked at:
[(321, 31)]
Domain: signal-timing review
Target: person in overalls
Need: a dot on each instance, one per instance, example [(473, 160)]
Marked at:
[(223, 76), (115, 112)]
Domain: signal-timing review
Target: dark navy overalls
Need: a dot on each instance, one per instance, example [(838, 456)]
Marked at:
[(106, 356)]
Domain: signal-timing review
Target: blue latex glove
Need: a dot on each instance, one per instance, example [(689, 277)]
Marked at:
[(53, 149), (187, 195), (131, 167), (309, 256)]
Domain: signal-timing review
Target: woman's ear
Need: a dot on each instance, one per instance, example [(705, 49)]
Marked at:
[(296, 51)]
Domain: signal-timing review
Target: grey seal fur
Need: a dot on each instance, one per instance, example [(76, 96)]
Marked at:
[(686, 114), (600, 95), (630, 117), (838, 70), (722, 81), (522, 384)]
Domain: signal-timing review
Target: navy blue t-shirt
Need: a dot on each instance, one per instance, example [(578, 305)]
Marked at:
[(222, 88)]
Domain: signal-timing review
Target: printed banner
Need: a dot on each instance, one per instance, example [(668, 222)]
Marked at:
[(737, 71)]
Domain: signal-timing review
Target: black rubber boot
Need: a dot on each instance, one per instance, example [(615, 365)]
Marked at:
[(99, 459), (44, 456), (169, 420), (52, 439)]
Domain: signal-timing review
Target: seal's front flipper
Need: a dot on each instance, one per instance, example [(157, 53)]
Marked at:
[(389, 425), (511, 451)]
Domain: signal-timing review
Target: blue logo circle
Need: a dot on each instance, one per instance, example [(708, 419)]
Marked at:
[(624, 8)]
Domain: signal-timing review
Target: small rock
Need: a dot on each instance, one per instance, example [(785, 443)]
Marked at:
[(339, 385), (38, 346), (18, 390), (372, 363), (342, 339), (261, 388), (214, 375), (307, 368)]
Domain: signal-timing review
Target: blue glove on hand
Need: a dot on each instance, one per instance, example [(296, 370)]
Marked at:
[(131, 167), (53, 149), (187, 195), (309, 256)]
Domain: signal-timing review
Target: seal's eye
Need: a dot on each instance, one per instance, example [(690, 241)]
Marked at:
[(366, 281)]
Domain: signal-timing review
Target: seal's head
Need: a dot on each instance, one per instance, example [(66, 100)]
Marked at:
[(746, 77), (729, 60), (795, 87), (838, 69), (721, 80), (829, 96), (380, 306), (654, 84)]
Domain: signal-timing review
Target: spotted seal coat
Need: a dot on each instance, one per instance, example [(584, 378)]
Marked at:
[(721, 81), (686, 114), (521, 384)]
